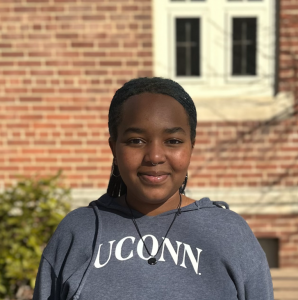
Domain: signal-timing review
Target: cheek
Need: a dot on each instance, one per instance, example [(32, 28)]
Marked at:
[(181, 159), (127, 160)]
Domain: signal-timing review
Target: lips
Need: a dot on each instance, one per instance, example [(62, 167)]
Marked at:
[(153, 177)]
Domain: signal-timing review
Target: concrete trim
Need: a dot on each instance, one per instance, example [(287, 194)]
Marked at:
[(241, 200), (253, 200), (243, 108)]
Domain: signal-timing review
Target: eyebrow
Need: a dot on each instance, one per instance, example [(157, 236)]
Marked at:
[(167, 130), (175, 129)]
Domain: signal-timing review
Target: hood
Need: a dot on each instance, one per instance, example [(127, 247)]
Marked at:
[(109, 203)]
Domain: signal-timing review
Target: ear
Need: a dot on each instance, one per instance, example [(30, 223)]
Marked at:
[(112, 145), (193, 144)]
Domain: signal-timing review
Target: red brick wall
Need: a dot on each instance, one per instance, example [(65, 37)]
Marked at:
[(288, 58), (285, 228), (60, 63), (246, 154), (62, 60)]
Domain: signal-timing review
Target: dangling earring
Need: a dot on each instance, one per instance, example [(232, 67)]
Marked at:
[(183, 186), (113, 168)]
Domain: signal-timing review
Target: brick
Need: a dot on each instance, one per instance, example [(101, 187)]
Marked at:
[(12, 54), (85, 151), (86, 168), (30, 117), (96, 72), (84, 64), (16, 91), (6, 64), (56, 63), (4, 9), (71, 126), (94, 17), (128, 8), (70, 91), (43, 108), (29, 63), (59, 151), (67, 36), (42, 72), (6, 99), (9, 168), (17, 125), (46, 159), (30, 99), (69, 73), (54, 9), (102, 8), (71, 142), (44, 125), (24, 9), (42, 91), (44, 142), (57, 117), (108, 45), (19, 159), (34, 168), (111, 63), (5, 45), (39, 54), (14, 73), (17, 142), (72, 159)]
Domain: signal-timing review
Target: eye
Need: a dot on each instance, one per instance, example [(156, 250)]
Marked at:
[(174, 142), (135, 141)]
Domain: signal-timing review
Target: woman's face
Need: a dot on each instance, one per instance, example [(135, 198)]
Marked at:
[(154, 129)]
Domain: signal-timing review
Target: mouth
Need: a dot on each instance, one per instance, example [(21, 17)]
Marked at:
[(153, 177)]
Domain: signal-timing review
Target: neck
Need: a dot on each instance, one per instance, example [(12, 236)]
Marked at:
[(153, 209)]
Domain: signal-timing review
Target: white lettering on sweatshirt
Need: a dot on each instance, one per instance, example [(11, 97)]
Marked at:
[(187, 250)]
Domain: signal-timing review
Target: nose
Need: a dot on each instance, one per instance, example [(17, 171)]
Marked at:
[(155, 153)]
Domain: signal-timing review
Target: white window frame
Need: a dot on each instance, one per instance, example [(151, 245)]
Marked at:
[(216, 80), (203, 16)]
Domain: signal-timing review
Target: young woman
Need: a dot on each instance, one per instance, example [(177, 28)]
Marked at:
[(145, 239)]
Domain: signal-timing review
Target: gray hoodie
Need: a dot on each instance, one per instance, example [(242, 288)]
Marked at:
[(210, 253)]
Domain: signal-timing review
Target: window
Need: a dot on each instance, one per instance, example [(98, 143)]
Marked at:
[(216, 49), (187, 47), (244, 46)]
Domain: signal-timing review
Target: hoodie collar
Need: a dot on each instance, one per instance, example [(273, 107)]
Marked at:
[(110, 203)]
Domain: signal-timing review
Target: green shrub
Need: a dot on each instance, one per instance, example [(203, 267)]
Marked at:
[(29, 214)]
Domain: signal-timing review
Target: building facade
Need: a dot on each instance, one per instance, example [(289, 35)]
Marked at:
[(61, 61)]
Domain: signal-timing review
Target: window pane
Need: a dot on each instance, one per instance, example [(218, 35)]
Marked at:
[(244, 46), (188, 47), (270, 247)]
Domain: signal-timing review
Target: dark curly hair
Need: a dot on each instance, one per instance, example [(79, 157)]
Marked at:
[(155, 85)]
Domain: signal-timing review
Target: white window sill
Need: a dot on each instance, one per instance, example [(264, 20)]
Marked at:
[(243, 107)]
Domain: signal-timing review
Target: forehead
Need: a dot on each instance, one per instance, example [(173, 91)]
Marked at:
[(158, 110)]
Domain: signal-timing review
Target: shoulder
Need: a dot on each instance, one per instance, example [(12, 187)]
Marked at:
[(75, 233), (219, 213), (230, 227), (77, 219)]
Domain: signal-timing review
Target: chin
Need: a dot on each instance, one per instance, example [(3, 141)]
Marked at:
[(157, 197)]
